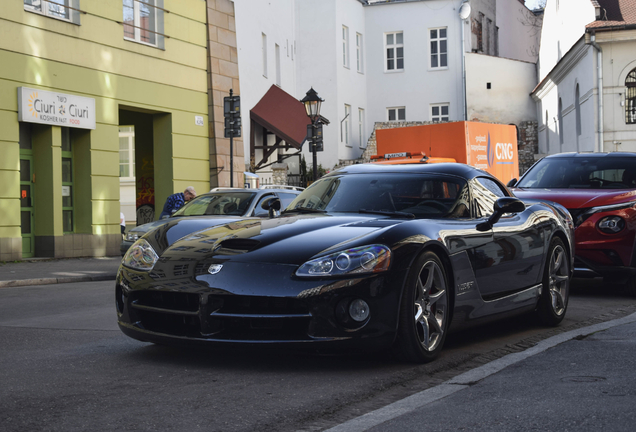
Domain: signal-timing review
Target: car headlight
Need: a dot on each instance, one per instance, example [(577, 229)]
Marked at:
[(611, 224), (140, 256), (360, 260), (132, 236)]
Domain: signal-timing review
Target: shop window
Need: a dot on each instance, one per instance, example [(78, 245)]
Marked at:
[(394, 51), (68, 222), (143, 21), (630, 98), (66, 10)]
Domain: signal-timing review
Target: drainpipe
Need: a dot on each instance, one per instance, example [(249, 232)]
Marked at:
[(599, 68), (464, 14)]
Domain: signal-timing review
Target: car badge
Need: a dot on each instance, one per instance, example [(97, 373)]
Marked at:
[(215, 268)]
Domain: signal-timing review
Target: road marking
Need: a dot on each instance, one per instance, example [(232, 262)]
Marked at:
[(462, 381)]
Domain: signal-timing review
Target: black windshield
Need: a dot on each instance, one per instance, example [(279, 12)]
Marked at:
[(582, 173), (424, 196)]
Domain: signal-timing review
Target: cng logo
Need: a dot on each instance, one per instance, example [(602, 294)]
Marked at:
[(500, 153)]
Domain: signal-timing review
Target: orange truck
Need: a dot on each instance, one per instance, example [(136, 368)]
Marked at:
[(491, 147)]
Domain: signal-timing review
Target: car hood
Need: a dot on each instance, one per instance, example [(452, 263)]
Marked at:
[(578, 198), (287, 239)]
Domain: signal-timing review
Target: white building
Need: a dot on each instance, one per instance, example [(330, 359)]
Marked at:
[(376, 61), (586, 97)]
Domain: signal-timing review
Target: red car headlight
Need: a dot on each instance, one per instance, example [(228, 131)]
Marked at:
[(611, 224)]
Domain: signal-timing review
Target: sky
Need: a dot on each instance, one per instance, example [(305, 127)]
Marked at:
[(531, 4)]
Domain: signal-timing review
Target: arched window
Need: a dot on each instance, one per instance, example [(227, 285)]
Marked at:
[(630, 98), (577, 107), (560, 114)]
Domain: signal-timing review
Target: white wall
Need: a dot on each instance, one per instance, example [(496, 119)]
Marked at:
[(417, 86), (508, 100), (519, 31), (277, 20), (564, 23)]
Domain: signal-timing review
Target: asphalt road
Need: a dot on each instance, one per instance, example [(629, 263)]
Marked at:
[(65, 366)]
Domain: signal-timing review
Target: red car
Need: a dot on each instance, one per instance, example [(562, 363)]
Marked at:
[(599, 190)]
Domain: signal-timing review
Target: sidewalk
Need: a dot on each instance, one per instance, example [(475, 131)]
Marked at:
[(43, 271), (580, 380)]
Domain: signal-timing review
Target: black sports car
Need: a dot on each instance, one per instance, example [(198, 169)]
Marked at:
[(368, 256)]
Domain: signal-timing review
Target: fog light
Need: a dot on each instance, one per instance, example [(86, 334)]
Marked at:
[(359, 310), (611, 224)]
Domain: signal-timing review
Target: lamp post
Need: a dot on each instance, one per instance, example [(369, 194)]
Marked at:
[(312, 106)]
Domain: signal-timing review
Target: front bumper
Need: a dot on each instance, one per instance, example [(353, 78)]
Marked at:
[(254, 304), (607, 255)]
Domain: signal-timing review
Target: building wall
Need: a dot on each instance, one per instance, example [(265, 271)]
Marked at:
[(417, 86), (564, 22), (277, 21), (223, 76), (508, 98), (94, 60), (519, 31), (619, 58)]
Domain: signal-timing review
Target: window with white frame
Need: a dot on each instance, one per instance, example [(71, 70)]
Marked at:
[(394, 51), (67, 10), (396, 113), (345, 125), (361, 127), (143, 21), (359, 66), (126, 152), (439, 112), (264, 53), (439, 48), (345, 46)]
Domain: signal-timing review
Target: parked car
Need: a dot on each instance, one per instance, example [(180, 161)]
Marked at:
[(369, 256), (599, 190), (222, 204)]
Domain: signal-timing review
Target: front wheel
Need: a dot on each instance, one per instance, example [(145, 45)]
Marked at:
[(424, 310), (556, 285)]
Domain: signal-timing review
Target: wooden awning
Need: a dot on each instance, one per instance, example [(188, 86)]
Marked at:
[(283, 115)]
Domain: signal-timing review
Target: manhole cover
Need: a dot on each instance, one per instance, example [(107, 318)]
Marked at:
[(583, 379)]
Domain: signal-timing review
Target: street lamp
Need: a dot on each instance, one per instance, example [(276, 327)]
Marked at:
[(312, 106)]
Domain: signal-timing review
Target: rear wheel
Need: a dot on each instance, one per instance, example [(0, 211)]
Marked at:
[(556, 285), (424, 310)]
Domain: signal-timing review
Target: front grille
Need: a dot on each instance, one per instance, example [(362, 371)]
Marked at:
[(224, 317)]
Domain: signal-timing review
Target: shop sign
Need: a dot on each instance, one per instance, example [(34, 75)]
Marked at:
[(56, 109)]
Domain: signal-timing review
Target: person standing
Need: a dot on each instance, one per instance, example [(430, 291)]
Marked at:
[(175, 201)]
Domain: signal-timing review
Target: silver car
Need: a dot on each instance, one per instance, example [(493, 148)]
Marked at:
[(223, 203)]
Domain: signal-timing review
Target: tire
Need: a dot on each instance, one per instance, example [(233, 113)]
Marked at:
[(555, 292), (424, 311)]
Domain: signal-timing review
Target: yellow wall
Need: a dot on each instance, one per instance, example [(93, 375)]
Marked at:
[(94, 60)]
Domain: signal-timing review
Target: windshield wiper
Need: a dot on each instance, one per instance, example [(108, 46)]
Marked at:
[(304, 210), (388, 213)]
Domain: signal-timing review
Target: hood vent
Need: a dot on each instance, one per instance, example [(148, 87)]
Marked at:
[(236, 246)]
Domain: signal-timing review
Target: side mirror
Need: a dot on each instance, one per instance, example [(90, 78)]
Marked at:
[(501, 207), (512, 183), (271, 204)]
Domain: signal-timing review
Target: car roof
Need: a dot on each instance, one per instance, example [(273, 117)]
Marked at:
[(596, 155), (221, 190), (457, 169)]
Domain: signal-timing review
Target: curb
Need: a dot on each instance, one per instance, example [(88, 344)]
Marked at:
[(50, 281)]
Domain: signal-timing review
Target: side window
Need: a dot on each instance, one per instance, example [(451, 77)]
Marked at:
[(486, 192)]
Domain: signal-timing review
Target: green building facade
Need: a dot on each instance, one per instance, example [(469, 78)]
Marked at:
[(76, 77)]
